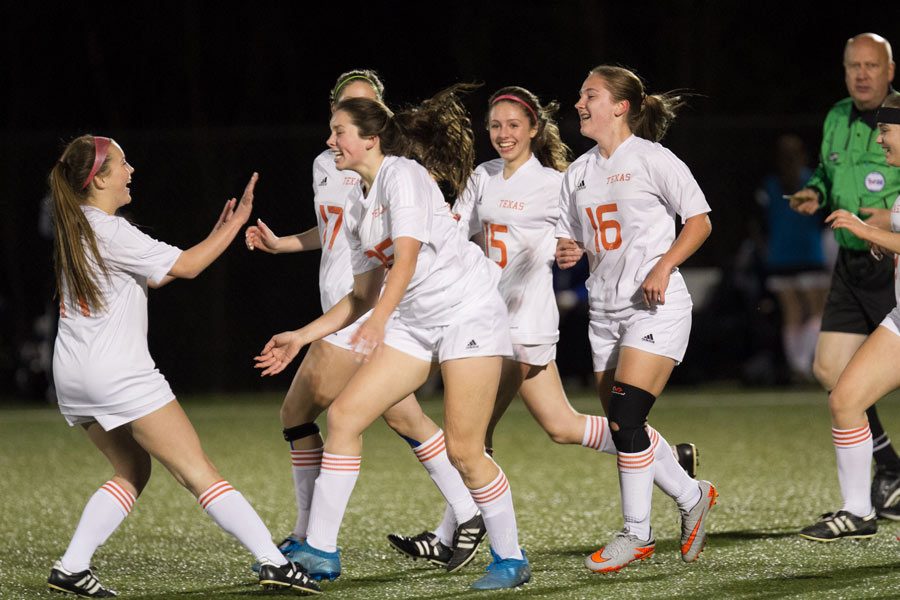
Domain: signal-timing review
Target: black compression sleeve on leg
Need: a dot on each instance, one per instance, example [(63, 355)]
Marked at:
[(299, 432), (628, 409)]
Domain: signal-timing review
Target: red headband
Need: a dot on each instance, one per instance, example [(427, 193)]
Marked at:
[(520, 101), (101, 146)]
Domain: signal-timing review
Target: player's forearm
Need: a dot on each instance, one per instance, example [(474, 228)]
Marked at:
[(196, 259), (405, 258), (888, 240), (301, 242), (693, 234)]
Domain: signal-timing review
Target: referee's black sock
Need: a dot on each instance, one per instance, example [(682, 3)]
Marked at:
[(882, 450)]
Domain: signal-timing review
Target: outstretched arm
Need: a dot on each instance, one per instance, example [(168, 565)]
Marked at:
[(261, 237), (842, 219)]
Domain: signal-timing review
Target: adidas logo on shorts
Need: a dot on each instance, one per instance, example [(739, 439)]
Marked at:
[(471, 345), (648, 338)]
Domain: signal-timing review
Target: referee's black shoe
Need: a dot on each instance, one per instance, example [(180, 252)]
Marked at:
[(841, 524), (82, 583)]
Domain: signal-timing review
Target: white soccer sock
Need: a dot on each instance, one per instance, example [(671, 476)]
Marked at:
[(853, 448), (305, 469), (668, 474), (447, 527), (636, 479), (495, 502), (597, 434), (102, 515), (432, 453), (231, 511), (332, 493)]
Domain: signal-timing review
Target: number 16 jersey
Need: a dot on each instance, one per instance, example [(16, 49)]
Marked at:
[(622, 210)]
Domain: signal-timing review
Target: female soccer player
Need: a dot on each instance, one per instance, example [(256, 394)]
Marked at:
[(870, 374), (618, 203), (106, 380), (511, 207), (449, 312), (330, 362)]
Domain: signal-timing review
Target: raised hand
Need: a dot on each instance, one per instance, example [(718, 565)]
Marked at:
[(278, 353), (805, 202), (245, 206), (227, 212)]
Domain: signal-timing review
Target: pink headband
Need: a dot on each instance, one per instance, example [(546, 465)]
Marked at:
[(101, 146), (520, 101)]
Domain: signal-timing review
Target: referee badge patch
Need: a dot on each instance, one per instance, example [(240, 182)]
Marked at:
[(874, 181)]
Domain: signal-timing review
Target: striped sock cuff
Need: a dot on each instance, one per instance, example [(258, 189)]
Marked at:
[(635, 462), (492, 491), (122, 496), (654, 438), (881, 442), (214, 493), (847, 438), (307, 460), (431, 447), (335, 464), (595, 430)]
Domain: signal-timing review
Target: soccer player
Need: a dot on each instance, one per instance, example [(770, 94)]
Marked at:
[(449, 314), (331, 362), (511, 207), (618, 203), (105, 379), (869, 375)]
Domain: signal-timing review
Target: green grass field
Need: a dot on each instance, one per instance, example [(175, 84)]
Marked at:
[(770, 455)]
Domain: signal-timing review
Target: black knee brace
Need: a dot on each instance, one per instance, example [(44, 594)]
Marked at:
[(628, 409), (299, 432)]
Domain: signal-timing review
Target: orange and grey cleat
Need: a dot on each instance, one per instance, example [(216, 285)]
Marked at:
[(693, 522), (625, 548)]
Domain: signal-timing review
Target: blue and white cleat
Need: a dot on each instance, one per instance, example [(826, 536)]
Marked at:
[(504, 573), (287, 545), (318, 563)]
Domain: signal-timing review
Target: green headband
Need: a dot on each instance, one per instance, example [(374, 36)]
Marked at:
[(337, 88)]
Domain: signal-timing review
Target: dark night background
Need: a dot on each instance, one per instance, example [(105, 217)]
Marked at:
[(200, 96)]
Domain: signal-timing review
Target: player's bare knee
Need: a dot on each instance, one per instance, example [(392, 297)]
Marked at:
[(844, 404), (464, 457)]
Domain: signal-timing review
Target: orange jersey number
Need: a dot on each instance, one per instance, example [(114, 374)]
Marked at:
[(602, 226), (379, 252), (491, 241), (335, 225)]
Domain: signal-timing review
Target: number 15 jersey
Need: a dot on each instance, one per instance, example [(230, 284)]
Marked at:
[(622, 210)]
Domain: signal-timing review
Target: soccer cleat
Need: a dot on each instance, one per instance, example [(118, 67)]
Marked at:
[(82, 584), (885, 491), (624, 548), (426, 545), (466, 539), (842, 524), (318, 563), (287, 545), (693, 522), (688, 457), (289, 575), (504, 573), (892, 513)]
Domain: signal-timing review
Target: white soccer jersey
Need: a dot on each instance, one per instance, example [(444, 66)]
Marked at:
[(101, 362), (518, 219), (405, 202), (331, 188), (622, 210)]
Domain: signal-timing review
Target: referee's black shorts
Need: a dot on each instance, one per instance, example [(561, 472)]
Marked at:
[(861, 294)]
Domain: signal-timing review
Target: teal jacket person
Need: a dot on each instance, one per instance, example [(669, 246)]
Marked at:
[(852, 171)]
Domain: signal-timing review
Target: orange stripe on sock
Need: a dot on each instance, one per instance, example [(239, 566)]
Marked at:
[(433, 450), (214, 491), (340, 464), (851, 437), (120, 495), (493, 491), (636, 461), (306, 458)]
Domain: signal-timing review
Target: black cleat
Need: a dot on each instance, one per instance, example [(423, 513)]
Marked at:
[(426, 545), (82, 584), (688, 457), (886, 492), (287, 576), (842, 524), (466, 539)]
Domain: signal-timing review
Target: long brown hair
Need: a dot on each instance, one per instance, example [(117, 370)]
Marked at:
[(650, 116), (76, 257), (547, 146), (437, 133)]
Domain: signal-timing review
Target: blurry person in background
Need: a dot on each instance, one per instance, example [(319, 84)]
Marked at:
[(796, 265)]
